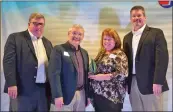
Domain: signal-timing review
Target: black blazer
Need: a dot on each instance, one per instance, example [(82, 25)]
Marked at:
[(151, 60), (20, 62), (62, 72)]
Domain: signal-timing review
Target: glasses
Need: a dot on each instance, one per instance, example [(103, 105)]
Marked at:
[(76, 33), (37, 24)]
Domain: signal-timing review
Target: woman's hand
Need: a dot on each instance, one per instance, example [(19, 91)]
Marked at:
[(90, 73), (100, 77)]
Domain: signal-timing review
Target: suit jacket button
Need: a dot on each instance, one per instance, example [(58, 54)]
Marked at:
[(36, 67), (34, 76)]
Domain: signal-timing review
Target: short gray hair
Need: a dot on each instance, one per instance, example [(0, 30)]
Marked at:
[(77, 26)]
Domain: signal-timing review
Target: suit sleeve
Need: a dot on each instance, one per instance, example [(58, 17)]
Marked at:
[(161, 58), (89, 92), (9, 61), (125, 51), (54, 72)]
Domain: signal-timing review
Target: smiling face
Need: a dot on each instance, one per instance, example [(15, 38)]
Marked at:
[(138, 19), (36, 26), (108, 43), (110, 40), (75, 36)]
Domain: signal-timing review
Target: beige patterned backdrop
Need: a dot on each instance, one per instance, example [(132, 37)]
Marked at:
[(94, 17)]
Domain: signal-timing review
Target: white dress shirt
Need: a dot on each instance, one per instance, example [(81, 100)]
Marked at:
[(41, 57), (135, 41)]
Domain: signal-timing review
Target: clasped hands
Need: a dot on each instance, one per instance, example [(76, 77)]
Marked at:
[(157, 88), (99, 77)]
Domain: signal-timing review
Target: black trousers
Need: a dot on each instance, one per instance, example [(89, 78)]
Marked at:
[(101, 104), (13, 105), (37, 101)]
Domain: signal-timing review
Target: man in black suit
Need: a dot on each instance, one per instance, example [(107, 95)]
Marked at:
[(25, 62), (146, 49), (68, 72)]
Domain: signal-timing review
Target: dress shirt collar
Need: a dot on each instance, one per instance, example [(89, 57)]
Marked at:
[(34, 37), (139, 31), (72, 47)]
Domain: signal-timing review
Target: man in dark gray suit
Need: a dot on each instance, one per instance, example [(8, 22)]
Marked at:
[(146, 49), (25, 62), (68, 73)]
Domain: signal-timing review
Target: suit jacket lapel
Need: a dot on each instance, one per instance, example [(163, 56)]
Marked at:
[(130, 44), (71, 53), (46, 46), (29, 41), (72, 56), (143, 36), (84, 58)]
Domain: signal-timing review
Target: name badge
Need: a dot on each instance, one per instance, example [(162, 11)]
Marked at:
[(66, 53), (112, 56)]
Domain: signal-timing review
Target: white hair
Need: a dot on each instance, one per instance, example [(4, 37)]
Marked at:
[(78, 26)]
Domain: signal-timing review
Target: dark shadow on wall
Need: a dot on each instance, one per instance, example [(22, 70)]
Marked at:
[(108, 18)]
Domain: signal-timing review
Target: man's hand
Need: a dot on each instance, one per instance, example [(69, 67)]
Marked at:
[(127, 88), (59, 102), (90, 73), (88, 102), (157, 89), (100, 77), (12, 92)]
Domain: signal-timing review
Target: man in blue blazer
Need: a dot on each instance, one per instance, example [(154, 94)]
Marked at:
[(146, 49), (25, 62), (68, 72)]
